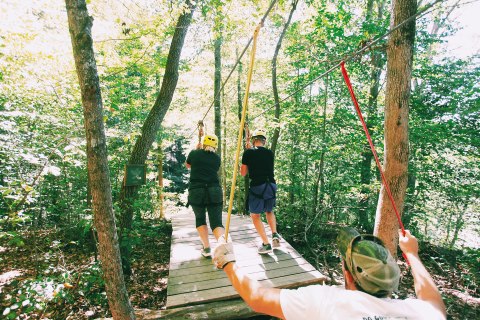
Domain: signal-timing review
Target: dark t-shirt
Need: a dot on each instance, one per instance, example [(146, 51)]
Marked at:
[(259, 161), (204, 166)]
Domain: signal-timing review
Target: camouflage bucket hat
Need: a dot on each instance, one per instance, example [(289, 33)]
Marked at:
[(370, 263)]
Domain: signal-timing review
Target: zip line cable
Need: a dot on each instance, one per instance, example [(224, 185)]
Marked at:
[(272, 4), (419, 14)]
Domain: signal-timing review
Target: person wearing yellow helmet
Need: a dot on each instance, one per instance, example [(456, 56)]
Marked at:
[(204, 191), (259, 164)]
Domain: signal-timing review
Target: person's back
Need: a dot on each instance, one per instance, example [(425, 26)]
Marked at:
[(260, 165), (371, 276), (204, 166), (204, 191), (339, 303)]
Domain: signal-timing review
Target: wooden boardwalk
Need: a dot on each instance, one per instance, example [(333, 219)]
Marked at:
[(194, 280)]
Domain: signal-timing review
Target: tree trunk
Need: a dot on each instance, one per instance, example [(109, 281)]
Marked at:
[(160, 181), (321, 176), (377, 62), (399, 73), (224, 149), (276, 132), (459, 222), (151, 127), (217, 85), (246, 180), (80, 24)]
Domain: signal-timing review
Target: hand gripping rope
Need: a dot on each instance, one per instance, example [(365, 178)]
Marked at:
[(372, 147)]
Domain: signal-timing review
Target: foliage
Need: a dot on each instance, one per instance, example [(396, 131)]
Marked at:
[(43, 176)]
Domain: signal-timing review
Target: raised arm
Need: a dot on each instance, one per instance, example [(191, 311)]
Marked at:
[(261, 299), (425, 288)]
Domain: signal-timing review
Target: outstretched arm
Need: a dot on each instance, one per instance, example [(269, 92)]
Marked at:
[(259, 298), (425, 288)]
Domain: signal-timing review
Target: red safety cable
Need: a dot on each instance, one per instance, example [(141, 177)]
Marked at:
[(359, 112)]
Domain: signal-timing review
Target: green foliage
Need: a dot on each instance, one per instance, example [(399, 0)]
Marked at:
[(34, 296)]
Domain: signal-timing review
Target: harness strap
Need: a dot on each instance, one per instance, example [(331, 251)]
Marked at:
[(261, 195)]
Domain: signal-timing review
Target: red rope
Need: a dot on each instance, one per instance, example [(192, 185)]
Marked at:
[(359, 112)]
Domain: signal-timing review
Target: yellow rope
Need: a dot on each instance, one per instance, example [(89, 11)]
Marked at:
[(242, 124)]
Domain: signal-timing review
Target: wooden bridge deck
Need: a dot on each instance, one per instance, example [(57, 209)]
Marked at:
[(194, 280)]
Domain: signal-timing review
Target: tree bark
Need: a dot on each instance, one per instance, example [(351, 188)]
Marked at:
[(377, 62), (318, 199), (246, 180), (276, 132), (399, 73), (80, 25), (151, 127), (216, 89)]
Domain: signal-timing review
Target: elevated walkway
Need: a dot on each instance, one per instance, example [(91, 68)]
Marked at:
[(197, 290)]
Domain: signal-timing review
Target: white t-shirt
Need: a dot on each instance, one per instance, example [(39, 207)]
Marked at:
[(328, 302)]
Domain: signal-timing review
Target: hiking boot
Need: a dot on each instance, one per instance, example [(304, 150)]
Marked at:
[(275, 240), (264, 248), (206, 252)]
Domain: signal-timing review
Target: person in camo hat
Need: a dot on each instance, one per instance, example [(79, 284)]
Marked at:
[(371, 276)]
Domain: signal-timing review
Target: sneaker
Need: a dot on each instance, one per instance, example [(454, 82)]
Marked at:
[(275, 240), (264, 248), (206, 252)]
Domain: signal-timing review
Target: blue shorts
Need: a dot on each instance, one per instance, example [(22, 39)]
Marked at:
[(262, 198)]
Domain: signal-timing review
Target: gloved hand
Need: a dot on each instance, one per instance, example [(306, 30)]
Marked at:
[(223, 253)]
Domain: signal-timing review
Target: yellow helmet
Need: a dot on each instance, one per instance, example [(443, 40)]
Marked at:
[(259, 133), (210, 140)]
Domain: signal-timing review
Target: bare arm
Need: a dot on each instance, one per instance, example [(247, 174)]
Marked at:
[(425, 288), (260, 299), (243, 170)]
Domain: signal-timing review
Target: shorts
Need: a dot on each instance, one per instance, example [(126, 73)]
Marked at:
[(262, 198)]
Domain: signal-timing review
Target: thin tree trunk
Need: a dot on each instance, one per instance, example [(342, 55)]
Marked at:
[(459, 222), (224, 149), (246, 180), (276, 132), (217, 85), (321, 175), (377, 62), (399, 74), (80, 25), (151, 127), (160, 181)]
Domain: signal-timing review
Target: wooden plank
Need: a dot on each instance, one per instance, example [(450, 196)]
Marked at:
[(203, 265), (221, 310), (194, 280), (254, 272), (217, 294), (201, 273), (182, 256)]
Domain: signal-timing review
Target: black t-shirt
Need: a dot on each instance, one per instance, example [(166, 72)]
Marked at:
[(204, 166), (259, 161)]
